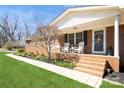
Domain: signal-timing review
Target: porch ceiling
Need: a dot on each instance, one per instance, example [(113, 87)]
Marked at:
[(87, 21)]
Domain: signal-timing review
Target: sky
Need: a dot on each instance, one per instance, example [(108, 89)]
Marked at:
[(26, 13)]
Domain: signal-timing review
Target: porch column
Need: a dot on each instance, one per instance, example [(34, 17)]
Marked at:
[(74, 38), (116, 36)]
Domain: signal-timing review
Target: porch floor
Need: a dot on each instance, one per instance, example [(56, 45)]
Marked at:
[(93, 55)]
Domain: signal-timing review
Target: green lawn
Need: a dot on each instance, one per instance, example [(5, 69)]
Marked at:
[(17, 74), (14, 73), (109, 85)]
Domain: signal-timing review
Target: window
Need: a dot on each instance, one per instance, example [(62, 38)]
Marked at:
[(71, 38), (75, 38), (79, 37)]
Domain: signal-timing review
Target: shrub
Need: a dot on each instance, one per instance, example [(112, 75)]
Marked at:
[(24, 54), (38, 57), (44, 58), (64, 63), (29, 54), (33, 55), (20, 50)]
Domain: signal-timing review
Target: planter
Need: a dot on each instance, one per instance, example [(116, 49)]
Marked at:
[(110, 51)]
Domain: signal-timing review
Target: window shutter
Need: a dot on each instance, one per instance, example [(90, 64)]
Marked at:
[(85, 38), (65, 38)]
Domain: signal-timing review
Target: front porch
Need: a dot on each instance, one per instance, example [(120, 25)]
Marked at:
[(99, 33), (93, 29), (100, 49), (101, 41)]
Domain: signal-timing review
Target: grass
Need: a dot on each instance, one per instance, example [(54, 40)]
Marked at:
[(106, 84), (17, 74)]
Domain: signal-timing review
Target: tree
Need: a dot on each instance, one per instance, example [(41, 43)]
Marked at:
[(7, 28), (45, 34), (48, 36), (27, 32)]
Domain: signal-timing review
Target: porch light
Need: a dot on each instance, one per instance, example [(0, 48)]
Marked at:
[(108, 71), (75, 28)]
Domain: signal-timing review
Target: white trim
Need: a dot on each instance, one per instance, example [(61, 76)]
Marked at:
[(82, 36), (68, 38), (74, 38), (104, 43)]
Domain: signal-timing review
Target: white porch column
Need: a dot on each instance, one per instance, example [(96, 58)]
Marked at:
[(74, 38), (116, 36)]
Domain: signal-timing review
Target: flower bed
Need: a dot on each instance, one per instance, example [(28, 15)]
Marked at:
[(62, 62)]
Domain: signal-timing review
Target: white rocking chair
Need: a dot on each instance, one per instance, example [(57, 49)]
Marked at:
[(80, 48), (66, 48)]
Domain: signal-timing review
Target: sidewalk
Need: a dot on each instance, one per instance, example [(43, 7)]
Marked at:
[(72, 74)]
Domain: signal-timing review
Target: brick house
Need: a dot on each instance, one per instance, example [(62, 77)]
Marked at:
[(88, 25)]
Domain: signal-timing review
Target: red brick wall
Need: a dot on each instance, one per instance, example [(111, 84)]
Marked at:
[(41, 50), (109, 37), (88, 47), (35, 49), (113, 63), (121, 38)]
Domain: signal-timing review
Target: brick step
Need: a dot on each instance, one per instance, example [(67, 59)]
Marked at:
[(93, 59), (93, 67), (94, 56), (89, 71), (90, 62)]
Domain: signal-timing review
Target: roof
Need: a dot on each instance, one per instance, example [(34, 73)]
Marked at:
[(83, 9)]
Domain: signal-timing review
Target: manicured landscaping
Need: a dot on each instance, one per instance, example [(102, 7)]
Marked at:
[(14, 74), (62, 63), (106, 84)]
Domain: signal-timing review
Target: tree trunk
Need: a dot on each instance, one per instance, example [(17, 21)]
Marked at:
[(49, 54)]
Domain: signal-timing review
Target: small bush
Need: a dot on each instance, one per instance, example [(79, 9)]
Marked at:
[(38, 57), (29, 54), (64, 63), (20, 50), (33, 55), (24, 54), (44, 58)]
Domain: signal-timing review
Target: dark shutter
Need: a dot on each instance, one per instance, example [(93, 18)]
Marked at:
[(66, 38), (85, 38)]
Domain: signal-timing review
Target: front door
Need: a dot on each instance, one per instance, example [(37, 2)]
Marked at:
[(99, 41)]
